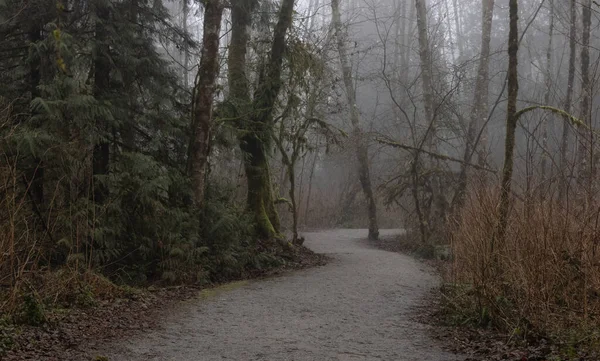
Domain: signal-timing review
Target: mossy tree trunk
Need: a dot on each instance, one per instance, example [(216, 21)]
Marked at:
[(255, 117), (361, 146), (259, 197), (260, 200), (202, 109), (294, 206)]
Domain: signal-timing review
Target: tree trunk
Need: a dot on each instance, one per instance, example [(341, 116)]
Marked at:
[(426, 67), (186, 51), (564, 145), (310, 184), (457, 21), (35, 176), (511, 122), (548, 84), (255, 141), (480, 100), (254, 158), (203, 98), (584, 144), (100, 162), (406, 40), (451, 36), (361, 147), (292, 194), (439, 203)]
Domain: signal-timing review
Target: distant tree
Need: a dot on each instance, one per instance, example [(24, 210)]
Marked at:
[(357, 133), (566, 128), (480, 101)]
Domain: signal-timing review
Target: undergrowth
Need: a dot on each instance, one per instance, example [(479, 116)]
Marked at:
[(541, 282)]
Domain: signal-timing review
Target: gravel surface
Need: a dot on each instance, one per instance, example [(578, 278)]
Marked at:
[(360, 306)]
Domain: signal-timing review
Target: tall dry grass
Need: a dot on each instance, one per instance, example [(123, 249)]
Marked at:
[(544, 277)]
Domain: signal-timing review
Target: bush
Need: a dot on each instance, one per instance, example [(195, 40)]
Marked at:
[(543, 278)]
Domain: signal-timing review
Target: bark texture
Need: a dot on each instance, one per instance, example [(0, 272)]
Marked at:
[(548, 82), (255, 117), (202, 110), (566, 131), (426, 68), (361, 146), (585, 141), (511, 121)]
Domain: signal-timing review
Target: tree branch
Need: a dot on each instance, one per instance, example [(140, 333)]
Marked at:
[(575, 121), (432, 154)]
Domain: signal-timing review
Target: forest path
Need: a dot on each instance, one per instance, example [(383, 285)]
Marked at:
[(360, 306)]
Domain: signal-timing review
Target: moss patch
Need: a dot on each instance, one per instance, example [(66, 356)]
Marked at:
[(213, 292)]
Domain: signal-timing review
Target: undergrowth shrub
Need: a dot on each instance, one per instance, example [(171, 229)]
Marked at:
[(227, 229), (72, 250), (543, 279)]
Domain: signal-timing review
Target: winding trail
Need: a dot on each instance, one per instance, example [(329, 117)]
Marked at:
[(357, 307)]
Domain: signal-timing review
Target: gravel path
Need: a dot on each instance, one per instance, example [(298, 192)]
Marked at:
[(357, 307)]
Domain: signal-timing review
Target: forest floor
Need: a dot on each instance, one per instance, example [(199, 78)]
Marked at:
[(361, 305), (365, 303), (70, 334)]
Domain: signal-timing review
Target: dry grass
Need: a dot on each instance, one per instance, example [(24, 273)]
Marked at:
[(544, 277)]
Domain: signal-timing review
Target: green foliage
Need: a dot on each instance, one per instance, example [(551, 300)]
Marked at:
[(85, 298), (89, 84), (31, 311), (7, 331), (228, 232)]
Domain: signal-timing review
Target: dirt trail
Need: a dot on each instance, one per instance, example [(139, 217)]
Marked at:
[(357, 307)]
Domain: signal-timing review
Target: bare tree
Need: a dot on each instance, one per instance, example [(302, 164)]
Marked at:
[(585, 141), (480, 98), (186, 50), (511, 121), (548, 83), (457, 20), (426, 67), (361, 146), (564, 145)]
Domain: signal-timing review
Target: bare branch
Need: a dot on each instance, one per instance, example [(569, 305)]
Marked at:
[(432, 154)]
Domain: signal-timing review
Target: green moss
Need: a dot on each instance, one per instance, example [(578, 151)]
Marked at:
[(213, 292)]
